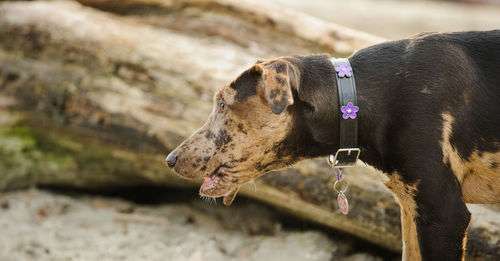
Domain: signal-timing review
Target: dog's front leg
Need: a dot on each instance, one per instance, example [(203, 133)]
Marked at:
[(405, 195), (442, 216), (434, 217)]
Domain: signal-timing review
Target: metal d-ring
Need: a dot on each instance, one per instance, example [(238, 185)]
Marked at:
[(342, 190)]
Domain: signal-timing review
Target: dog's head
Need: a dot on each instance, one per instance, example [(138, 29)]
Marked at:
[(249, 132)]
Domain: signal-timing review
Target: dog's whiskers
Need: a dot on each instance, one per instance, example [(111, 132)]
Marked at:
[(210, 200), (254, 186)]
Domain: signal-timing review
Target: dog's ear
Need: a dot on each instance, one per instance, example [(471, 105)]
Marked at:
[(279, 77)]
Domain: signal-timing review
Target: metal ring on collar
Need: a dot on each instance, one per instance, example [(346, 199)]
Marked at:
[(342, 190)]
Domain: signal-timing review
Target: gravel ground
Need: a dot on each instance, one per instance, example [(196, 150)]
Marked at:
[(44, 225)]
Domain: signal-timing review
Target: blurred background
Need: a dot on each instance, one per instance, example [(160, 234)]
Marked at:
[(95, 93)]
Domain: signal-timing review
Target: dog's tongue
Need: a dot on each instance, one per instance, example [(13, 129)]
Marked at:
[(209, 182), (229, 198)]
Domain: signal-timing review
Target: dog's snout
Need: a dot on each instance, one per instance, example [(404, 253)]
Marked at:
[(171, 159)]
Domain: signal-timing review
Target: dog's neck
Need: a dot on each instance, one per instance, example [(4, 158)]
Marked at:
[(374, 101), (318, 89)]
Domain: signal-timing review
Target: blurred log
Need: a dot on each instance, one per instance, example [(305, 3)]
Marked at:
[(95, 100), (332, 37)]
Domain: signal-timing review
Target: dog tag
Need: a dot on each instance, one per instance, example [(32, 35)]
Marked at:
[(340, 186), (343, 204)]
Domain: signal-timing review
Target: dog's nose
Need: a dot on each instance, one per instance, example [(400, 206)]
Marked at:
[(171, 159)]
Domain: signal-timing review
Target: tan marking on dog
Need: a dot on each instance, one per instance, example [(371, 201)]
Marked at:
[(481, 185), (405, 195), (450, 154), (478, 174), (464, 242)]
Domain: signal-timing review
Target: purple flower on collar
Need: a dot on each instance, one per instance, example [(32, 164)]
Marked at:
[(349, 111), (344, 70)]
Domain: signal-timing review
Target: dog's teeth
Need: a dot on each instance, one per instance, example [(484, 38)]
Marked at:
[(229, 198)]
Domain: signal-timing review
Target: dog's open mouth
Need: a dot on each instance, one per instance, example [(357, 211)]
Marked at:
[(217, 185), (211, 183)]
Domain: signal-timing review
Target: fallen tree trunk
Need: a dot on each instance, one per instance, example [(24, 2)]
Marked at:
[(95, 100)]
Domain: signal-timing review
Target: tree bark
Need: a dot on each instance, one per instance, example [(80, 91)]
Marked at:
[(95, 99)]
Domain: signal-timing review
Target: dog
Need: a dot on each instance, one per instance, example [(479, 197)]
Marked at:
[(429, 119)]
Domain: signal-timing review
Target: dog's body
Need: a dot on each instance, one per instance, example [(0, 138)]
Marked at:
[(429, 119)]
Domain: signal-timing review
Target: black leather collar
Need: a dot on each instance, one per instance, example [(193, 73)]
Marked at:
[(348, 152)]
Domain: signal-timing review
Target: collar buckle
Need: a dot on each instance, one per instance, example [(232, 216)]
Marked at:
[(344, 158)]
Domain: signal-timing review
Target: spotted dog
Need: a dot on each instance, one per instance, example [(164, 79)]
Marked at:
[(429, 120)]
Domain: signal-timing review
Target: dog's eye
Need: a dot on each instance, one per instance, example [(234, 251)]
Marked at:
[(222, 105)]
